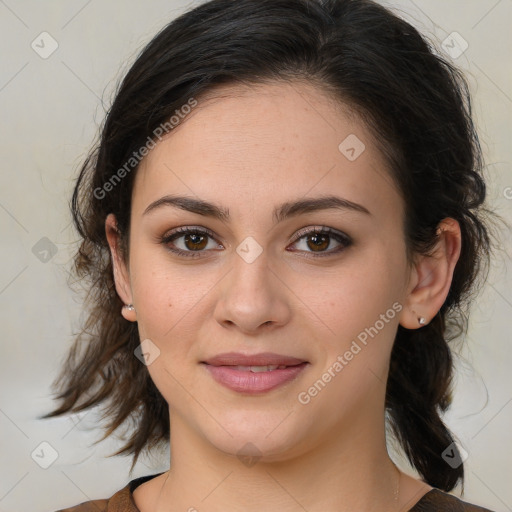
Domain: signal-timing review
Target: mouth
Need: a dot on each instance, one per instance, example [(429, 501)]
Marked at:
[(258, 369), (255, 360), (252, 374)]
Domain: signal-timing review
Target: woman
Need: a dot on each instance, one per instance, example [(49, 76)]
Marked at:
[(281, 225)]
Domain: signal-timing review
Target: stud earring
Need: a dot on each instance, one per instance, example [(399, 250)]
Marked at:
[(128, 312), (421, 319)]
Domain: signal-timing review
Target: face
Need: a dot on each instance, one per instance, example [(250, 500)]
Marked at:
[(323, 284)]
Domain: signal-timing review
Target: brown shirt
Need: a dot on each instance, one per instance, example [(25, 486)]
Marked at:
[(122, 501)]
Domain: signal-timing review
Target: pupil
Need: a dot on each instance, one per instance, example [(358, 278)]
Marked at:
[(319, 241), (195, 239)]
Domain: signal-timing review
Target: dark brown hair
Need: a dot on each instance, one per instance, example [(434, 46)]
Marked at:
[(417, 106)]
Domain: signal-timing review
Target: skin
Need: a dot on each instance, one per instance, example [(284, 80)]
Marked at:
[(250, 150)]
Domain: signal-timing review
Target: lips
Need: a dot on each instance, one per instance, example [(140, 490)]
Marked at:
[(262, 359), (251, 374)]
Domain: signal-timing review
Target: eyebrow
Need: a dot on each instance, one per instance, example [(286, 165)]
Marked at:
[(280, 213)]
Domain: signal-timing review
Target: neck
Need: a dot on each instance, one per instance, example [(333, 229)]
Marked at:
[(351, 471)]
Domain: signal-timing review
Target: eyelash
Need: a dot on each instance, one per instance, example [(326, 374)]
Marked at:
[(180, 232)]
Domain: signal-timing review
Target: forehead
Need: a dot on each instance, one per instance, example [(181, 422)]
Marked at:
[(249, 145)]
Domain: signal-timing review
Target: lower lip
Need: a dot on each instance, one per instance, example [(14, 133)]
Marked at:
[(253, 382)]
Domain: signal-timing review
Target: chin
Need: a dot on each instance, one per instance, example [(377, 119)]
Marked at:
[(266, 437)]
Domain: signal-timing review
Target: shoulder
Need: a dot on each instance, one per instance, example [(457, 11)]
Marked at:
[(439, 501), (121, 501), (88, 506)]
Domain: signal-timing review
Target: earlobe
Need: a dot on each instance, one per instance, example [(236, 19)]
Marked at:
[(433, 276), (121, 274), (129, 313)]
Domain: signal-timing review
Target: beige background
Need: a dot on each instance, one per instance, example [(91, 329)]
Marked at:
[(50, 109)]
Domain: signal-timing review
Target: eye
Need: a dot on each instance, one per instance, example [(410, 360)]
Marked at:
[(193, 241), (319, 239)]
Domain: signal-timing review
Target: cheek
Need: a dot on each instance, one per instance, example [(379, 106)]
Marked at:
[(352, 297), (359, 307), (157, 295), (169, 299), (166, 302), (359, 311)]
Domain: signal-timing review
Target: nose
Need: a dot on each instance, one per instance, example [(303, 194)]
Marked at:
[(253, 297)]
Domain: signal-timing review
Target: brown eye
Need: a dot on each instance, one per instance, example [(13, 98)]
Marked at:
[(195, 242), (189, 242), (318, 240)]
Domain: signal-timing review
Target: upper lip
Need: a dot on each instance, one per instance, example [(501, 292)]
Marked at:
[(262, 359)]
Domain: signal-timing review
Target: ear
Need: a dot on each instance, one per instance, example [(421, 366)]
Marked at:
[(121, 274), (431, 277)]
